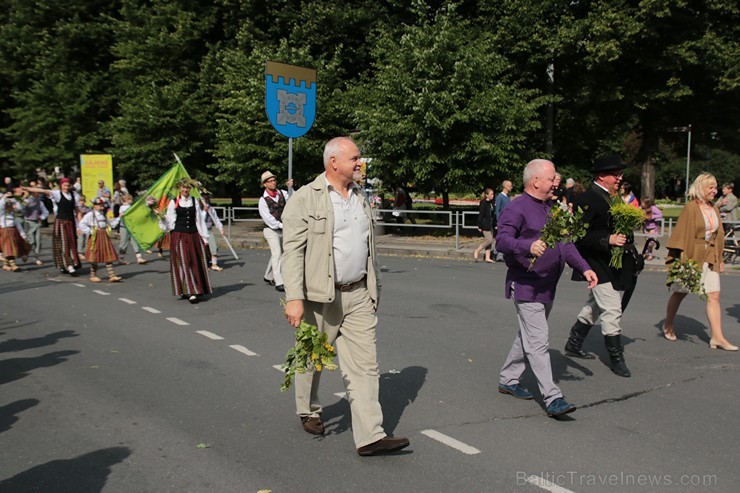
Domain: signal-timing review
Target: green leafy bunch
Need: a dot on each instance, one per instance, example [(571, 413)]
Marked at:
[(311, 352), (625, 220), (687, 274), (562, 226)]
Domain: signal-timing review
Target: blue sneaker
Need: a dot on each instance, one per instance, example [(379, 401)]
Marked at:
[(559, 407), (516, 390)]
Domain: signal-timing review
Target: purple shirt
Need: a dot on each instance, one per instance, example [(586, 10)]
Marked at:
[(520, 225)]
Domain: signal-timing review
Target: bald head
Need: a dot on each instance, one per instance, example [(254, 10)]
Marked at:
[(342, 162), (539, 177)]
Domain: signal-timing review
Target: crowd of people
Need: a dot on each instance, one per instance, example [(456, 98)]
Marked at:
[(323, 257)]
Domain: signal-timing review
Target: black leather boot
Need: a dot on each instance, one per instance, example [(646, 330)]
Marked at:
[(578, 333), (616, 354)]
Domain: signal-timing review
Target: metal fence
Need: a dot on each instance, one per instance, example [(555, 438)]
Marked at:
[(458, 222)]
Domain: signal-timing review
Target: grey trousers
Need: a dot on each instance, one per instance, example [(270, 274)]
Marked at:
[(349, 323), (33, 236), (531, 344), (605, 304)]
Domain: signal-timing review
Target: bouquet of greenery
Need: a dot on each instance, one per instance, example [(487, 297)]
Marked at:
[(687, 274), (311, 352), (562, 226), (625, 220)]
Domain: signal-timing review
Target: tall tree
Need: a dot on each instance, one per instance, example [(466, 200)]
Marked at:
[(637, 68), (441, 109)]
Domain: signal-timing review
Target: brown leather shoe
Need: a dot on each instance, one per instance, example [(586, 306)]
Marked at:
[(383, 446), (313, 426)]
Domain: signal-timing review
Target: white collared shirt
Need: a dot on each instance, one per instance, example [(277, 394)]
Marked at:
[(350, 236)]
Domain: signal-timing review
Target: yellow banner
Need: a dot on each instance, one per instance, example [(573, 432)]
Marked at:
[(96, 167)]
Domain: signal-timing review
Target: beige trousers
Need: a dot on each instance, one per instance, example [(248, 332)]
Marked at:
[(349, 323), (604, 303)]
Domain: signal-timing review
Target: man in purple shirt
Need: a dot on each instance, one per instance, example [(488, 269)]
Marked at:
[(533, 290)]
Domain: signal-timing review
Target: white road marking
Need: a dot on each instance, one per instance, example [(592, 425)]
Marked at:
[(341, 395), (150, 309), (177, 321), (244, 350), (209, 335), (279, 368), (78, 285), (101, 292), (451, 442), (546, 485), (126, 300)]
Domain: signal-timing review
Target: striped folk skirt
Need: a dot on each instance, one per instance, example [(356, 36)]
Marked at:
[(100, 250), (12, 243), (64, 244), (189, 257)]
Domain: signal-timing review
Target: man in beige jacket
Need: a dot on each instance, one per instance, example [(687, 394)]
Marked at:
[(331, 279)]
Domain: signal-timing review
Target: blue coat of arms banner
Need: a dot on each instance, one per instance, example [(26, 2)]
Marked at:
[(290, 98)]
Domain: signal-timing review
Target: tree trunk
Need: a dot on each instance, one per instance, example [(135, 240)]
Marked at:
[(236, 196), (647, 156), (445, 200)]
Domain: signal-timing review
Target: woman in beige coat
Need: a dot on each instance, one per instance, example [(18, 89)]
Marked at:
[(699, 236)]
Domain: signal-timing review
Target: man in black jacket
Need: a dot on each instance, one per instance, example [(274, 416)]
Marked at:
[(605, 300)]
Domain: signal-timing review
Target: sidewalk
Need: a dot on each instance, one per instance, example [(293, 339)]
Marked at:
[(409, 244)]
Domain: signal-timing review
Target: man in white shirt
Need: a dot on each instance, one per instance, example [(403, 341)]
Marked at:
[(331, 279), (271, 206)]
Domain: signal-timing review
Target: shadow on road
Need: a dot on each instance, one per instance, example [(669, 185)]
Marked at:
[(87, 473), (17, 368), (13, 345), (8, 413), (686, 327), (397, 391), (734, 311)]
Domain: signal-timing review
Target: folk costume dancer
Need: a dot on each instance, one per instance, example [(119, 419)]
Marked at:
[(532, 287), (34, 214), (212, 220), (125, 237), (271, 206), (99, 247), (64, 244), (604, 302), (188, 245), (13, 242)]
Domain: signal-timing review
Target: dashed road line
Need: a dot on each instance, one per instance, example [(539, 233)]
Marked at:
[(279, 368), (546, 485), (451, 442), (126, 300), (78, 285), (243, 350), (177, 321), (150, 309), (101, 292), (209, 335)]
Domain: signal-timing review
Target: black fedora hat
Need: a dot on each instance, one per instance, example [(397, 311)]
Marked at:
[(607, 163)]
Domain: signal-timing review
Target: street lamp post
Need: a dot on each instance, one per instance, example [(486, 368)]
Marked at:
[(687, 130)]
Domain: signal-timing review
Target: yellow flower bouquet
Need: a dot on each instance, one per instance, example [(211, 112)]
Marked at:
[(625, 220), (311, 352)]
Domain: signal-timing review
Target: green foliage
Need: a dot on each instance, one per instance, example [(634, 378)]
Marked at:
[(310, 353), (446, 94), (687, 275), (562, 226), (440, 108)]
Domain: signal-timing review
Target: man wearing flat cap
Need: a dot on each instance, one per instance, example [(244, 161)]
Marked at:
[(604, 303), (271, 206)]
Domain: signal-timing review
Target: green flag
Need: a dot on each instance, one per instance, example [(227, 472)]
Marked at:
[(141, 221)]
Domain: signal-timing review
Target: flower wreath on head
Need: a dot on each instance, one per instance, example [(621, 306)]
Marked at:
[(190, 183)]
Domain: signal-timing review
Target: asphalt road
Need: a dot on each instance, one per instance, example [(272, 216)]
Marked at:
[(124, 388)]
